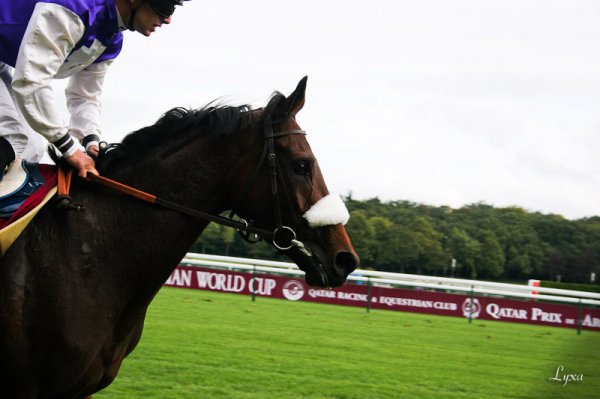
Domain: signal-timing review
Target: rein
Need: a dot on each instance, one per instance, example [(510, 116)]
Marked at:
[(241, 225), (283, 237)]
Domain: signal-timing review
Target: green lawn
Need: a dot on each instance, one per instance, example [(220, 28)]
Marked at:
[(199, 344)]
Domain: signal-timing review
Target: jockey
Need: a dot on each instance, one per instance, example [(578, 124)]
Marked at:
[(42, 40)]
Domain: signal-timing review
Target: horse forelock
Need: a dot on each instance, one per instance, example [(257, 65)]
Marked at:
[(275, 100)]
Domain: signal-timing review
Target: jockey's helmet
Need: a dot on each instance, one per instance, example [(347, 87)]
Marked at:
[(165, 8)]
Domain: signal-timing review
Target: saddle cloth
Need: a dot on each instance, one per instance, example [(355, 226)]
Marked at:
[(21, 200), (20, 181)]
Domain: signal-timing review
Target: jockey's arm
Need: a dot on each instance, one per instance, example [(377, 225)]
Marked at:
[(83, 101)]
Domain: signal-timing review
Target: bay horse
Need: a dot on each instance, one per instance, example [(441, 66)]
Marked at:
[(75, 286)]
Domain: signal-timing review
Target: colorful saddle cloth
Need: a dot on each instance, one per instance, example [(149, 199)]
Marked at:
[(22, 198), (18, 183)]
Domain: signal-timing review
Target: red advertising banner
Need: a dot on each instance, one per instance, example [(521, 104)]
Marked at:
[(407, 300)]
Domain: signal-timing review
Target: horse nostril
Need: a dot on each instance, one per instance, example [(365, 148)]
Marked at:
[(346, 262)]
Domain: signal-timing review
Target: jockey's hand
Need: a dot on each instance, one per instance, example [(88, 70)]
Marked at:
[(83, 163), (93, 151)]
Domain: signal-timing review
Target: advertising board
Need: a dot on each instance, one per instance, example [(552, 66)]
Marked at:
[(388, 298)]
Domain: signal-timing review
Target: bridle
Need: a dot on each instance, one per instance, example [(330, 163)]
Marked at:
[(283, 237)]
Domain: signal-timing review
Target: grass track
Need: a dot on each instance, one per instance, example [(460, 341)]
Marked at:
[(200, 344)]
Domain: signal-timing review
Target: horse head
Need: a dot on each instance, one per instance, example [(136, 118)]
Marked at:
[(306, 220)]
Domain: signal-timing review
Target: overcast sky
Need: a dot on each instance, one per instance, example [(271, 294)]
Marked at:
[(437, 102)]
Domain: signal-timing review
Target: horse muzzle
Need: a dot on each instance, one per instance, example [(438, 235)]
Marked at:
[(327, 258)]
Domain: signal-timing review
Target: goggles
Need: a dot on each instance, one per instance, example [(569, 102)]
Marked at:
[(164, 8)]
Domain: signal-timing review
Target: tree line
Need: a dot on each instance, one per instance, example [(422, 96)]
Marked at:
[(481, 241)]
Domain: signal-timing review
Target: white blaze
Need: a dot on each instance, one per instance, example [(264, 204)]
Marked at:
[(329, 210)]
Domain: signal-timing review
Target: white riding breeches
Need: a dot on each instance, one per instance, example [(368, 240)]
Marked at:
[(28, 145)]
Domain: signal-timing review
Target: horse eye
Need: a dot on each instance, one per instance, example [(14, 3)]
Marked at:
[(302, 167)]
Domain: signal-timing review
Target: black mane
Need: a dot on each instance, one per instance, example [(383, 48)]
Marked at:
[(177, 127)]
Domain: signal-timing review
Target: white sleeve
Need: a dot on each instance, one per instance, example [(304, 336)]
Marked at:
[(83, 101), (52, 32)]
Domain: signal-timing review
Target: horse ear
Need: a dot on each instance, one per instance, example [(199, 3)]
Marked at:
[(297, 97), (295, 101)]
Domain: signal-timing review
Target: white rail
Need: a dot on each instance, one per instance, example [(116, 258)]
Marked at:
[(403, 279)]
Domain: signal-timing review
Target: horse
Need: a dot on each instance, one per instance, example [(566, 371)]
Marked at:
[(75, 286)]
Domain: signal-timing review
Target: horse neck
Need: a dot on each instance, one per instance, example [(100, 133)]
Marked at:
[(195, 177), (192, 176)]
